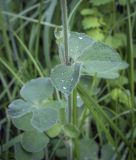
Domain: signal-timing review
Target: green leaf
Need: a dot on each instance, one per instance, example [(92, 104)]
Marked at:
[(96, 33), (100, 2), (89, 11), (44, 111), (122, 80), (57, 105), (121, 96), (107, 152), (65, 78), (103, 69), (116, 41), (21, 154), (99, 52), (33, 141), (55, 130), (88, 149), (19, 108), (44, 118), (90, 22), (96, 57), (71, 131), (78, 42), (123, 2), (23, 122), (37, 90)]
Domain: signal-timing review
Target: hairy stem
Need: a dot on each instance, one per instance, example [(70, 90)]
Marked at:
[(65, 30), (66, 62)]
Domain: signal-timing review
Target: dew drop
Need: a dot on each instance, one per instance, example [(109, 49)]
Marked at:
[(64, 88), (62, 80), (71, 79), (80, 37)]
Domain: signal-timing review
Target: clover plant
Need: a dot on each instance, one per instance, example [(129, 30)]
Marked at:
[(39, 115)]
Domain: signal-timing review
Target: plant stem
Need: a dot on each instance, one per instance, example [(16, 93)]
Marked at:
[(130, 47), (69, 110), (66, 62), (131, 75), (73, 11), (75, 122), (65, 30)]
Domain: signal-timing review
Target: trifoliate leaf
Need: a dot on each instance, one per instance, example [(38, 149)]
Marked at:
[(19, 108), (65, 78), (37, 90), (33, 141), (96, 57), (44, 111), (44, 118)]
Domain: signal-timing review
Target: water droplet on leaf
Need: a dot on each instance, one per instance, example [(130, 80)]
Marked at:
[(80, 37)]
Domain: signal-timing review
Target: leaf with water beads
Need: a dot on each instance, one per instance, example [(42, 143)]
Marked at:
[(78, 42), (65, 78), (96, 57)]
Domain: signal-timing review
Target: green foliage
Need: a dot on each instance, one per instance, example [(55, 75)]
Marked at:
[(96, 58), (35, 92), (94, 22), (71, 131), (23, 122), (97, 25), (121, 96), (100, 2), (88, 149), (37, 112), (107, 152), (21, 154), (116, 41), (65, 78), (55, 130), (34, 141), (19, 108), (102, 111)]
